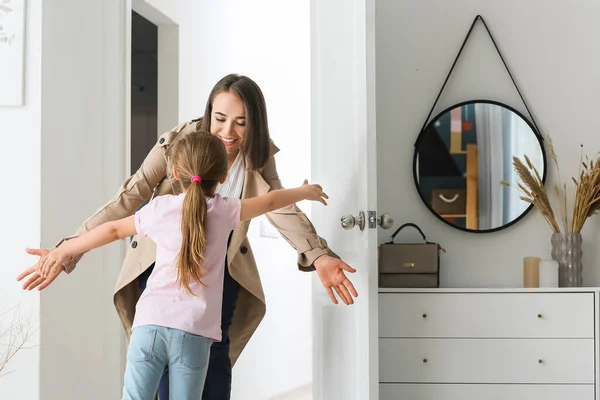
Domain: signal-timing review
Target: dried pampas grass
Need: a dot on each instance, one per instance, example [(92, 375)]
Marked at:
[(587, 191), (534, 192)]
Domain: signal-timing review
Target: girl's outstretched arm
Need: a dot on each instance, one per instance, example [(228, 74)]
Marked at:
[(276, 199), (97, 237)]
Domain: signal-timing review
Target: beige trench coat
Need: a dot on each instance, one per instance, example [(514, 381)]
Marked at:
[(153, 178)]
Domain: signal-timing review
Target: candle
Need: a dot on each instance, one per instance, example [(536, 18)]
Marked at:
[(548, 273), (531, 272)]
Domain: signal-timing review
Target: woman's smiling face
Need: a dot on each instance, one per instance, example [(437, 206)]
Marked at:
[(228, 121)]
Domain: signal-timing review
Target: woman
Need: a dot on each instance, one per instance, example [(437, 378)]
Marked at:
[(236, 113)]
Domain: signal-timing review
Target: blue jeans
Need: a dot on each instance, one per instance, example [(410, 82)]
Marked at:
[(218, 379), (151, 349)]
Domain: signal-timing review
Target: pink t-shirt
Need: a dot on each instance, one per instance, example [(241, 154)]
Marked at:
[(163, 302)]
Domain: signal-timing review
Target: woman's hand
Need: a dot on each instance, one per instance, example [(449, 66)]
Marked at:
[(331, 272), (35, 274), (314, 192)]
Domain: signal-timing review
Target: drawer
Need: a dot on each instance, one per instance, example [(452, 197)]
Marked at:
[(483, 315), (487, 392), (537, 361)]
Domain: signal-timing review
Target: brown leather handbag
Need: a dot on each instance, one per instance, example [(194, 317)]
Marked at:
[(409, 265)]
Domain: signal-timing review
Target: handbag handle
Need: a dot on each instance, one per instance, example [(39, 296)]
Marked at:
[(420, 231), (412, 226)]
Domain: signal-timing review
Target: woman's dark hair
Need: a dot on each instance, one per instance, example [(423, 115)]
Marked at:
[(256, 145)]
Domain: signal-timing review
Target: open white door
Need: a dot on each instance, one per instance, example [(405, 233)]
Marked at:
[(345, 352)]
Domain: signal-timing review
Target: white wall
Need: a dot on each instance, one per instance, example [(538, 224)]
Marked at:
[(553, 52), (82, 125), (53, 184), (20, 209)]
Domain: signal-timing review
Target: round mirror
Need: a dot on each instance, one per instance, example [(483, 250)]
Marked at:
[(463, 160)]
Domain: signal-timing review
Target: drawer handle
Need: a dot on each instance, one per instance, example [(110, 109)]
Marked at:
[(424, 315), (540, 361), (424, 360), (539, 315)]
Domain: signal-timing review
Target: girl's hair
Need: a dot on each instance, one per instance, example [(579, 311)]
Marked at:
[(256, 145), (196, 154)]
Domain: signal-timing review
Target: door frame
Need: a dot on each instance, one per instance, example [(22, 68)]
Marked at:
[(168, 70), (118, 104)]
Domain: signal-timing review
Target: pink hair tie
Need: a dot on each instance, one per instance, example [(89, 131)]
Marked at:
[(196, 179)]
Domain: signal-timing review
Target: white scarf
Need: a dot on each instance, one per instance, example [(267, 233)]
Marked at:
[(233, 185)]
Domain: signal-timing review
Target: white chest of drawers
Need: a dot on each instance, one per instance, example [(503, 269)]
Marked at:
[(493, 344)]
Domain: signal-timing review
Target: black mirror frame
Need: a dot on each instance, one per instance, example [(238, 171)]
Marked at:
[(433, 120)]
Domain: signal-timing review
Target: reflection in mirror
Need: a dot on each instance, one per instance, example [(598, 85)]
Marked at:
[(463, 156)]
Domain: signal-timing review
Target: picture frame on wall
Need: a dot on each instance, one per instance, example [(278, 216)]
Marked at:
[(12, 47)]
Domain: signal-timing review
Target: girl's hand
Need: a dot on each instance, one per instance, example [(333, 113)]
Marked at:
[(314, 192), (54, 260), (33, 273)]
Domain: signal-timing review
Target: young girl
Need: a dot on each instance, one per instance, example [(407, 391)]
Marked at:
[(179, 314)]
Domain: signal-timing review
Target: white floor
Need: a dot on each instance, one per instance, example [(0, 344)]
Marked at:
[(300, 393)]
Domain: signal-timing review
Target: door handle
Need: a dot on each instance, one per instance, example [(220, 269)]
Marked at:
[(349, 221), (385, 221)]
